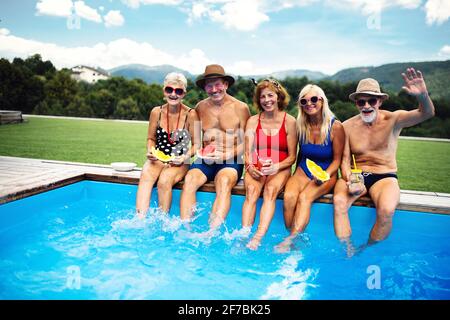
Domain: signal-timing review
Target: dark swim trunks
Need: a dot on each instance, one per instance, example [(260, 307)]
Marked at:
[(371, 178), (211, 170)]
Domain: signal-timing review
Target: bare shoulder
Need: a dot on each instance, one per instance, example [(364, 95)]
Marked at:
[(290, 119), (201, 105), (154, 114), (252, 122), (192, 114), (291, 123), (337, 125), (242, 106), (388, 115), (350, 122), (156, 110)]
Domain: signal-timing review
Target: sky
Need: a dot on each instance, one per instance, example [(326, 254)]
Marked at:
[(247, 37)]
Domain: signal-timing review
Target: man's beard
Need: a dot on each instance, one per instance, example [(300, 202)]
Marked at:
[(369, 118)]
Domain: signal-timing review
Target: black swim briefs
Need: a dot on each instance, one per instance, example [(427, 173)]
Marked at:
[(371, 178)]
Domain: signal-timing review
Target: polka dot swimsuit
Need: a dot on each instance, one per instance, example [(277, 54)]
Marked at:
[(177, 143)]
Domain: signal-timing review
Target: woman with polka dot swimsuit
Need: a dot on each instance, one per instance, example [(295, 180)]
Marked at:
[(177, 142), (171, 131)]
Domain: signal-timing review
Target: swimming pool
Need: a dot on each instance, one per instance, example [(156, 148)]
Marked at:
[(82, 241)]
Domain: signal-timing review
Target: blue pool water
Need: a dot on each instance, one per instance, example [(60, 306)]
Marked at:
[(83, 242)]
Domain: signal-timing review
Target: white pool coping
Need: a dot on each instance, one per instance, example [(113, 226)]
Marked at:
[(22, 177)]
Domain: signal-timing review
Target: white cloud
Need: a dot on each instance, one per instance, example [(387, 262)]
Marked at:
[(65, 8), (369, 7), (86, 12), (194, 61), (242, 15), (438, 11), (106, 55), (445, 51), (136, 3), (114, 19), (4, 31), (58, 8)]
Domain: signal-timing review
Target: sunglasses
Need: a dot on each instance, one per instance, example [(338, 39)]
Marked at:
[(313, 99), (362, 102), (178, 91)]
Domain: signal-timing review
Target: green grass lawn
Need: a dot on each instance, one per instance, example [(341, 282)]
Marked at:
[(423, 165)]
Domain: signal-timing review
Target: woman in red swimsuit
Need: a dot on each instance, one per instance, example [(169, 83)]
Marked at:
[(270, 151)]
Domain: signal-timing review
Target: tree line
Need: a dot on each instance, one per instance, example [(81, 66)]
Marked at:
[(34, 86)]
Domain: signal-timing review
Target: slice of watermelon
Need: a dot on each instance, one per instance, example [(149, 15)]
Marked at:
[(207, 150)]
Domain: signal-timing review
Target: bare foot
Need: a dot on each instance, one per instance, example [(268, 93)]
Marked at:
[(284, 247), (140, 215), (254, 243)]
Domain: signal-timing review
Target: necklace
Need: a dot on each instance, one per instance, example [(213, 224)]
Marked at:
[(169, 133)]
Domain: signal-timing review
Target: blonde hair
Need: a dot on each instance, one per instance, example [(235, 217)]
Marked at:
[(175, 78), (303, 124), (275, 86)]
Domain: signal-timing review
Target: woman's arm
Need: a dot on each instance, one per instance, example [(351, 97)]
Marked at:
[(338, 138), (292, 140), (151, 133), (249, 147), (195, 131)]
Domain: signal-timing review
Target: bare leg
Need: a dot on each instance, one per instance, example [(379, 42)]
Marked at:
[(253, 190), (192, 182), (342, 202), (386, 196), (167, 179), (303, 209), (225, 180), (305, 200), (272, 188), (294, 186), (149, 175)]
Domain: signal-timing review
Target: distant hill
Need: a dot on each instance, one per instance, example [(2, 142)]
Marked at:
[(148, 74), (156, 74), (280, 75), (436, 73)]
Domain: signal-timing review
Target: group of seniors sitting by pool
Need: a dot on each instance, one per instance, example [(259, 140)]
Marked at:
[(226, 140)]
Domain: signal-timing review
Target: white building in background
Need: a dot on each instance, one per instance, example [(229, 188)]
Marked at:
[(89, 74)]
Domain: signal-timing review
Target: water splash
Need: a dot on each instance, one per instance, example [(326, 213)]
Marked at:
[(294, 283)]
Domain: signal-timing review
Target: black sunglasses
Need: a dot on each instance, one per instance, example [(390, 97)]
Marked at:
[(178, 91), (362, 102), (313, 99)]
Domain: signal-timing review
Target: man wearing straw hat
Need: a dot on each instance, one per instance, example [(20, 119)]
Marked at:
[(371, 137), (223, 120)]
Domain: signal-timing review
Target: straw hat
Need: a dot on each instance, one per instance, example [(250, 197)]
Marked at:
[(213, 71), (368, 86)]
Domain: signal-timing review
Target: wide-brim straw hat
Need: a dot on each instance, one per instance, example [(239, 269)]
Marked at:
[(368, 86), (213, 71)]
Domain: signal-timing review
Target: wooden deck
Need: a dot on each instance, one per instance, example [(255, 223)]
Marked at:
[(22, 177)]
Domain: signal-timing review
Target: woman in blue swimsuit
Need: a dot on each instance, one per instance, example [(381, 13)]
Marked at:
[(171, 131), (321, 139)]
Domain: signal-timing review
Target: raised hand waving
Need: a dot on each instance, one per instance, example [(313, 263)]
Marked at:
[(414, 82)]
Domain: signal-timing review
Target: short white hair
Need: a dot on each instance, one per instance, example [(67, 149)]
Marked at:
[(176, 78)]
